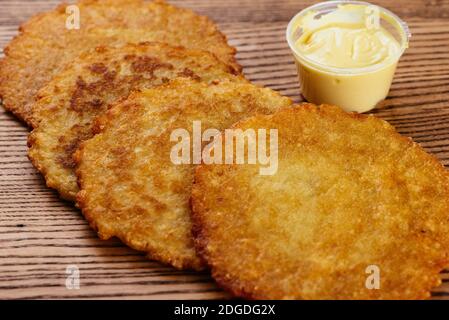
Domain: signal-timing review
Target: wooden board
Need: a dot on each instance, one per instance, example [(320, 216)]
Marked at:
[(41, 235)]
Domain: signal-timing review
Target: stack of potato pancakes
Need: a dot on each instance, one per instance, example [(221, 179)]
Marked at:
[(349, 193)]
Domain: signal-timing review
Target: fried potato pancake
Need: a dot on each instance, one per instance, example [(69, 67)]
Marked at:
[(351, 200), (131, 189), (68, 105), (45, 45)]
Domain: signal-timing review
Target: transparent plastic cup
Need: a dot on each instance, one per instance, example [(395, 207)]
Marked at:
[(353, 89)]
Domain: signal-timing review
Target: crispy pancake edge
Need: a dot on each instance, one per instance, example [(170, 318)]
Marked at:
[(26, 29), (199, 209), (82, 202), (37, 139)]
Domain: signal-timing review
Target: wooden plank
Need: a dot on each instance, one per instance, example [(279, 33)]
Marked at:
[(17, 11), (41, 235)]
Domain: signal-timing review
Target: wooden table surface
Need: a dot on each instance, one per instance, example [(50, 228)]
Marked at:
[(40, 235)]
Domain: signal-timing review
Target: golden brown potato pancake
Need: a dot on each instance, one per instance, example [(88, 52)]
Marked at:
[(350, 195), (68, 105), (45, 45), (131, 189)]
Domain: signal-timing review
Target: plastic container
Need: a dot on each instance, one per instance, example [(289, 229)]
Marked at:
[(353, 89)]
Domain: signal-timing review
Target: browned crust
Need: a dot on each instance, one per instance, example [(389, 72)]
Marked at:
[(75, 99), (181, 264), (31, 142), (81, 202), (152, 254), (85, 201), (5, 102), (200, 210), (232, 60), (20, 105), (200, 241)]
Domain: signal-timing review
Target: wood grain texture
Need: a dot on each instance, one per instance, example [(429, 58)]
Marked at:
[(41, 235)]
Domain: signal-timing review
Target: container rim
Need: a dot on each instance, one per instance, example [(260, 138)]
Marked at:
[(404, 33)]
